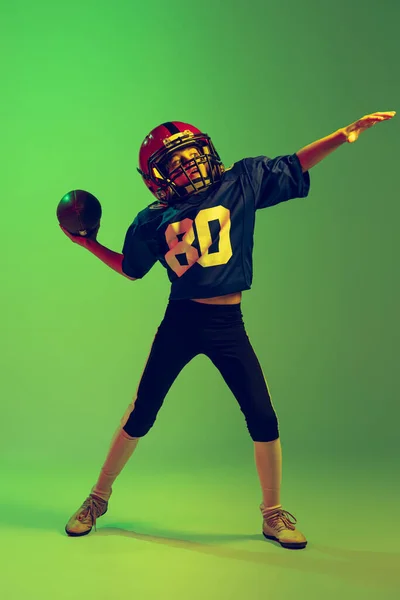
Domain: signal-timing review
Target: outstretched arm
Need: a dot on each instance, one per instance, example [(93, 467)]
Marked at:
[(312, 154)]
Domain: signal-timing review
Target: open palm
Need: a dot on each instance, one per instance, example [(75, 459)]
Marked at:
[(353, 131)]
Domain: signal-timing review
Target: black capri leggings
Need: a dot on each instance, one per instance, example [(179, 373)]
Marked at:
[(190, 328)]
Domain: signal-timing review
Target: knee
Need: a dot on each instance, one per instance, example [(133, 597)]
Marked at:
[(136, 427), (264, 430)]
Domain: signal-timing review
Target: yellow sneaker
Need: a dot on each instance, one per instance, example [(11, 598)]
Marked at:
[(278, 526), (84, 519)]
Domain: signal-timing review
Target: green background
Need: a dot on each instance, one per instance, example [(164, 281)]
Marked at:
[(82, 84)]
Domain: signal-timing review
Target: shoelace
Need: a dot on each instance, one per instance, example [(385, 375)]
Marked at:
[(93, 507), (280, 520)]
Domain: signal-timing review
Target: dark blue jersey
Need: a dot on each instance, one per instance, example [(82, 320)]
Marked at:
[(206, 240)]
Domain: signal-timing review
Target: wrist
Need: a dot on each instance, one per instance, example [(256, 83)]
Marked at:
[(342, 135), (90, 244)]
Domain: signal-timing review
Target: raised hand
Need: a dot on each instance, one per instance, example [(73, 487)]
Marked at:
[(353, 131)]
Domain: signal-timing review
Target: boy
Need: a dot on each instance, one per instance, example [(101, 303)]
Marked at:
[(201, 230)]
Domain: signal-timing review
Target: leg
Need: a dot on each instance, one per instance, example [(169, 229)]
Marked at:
[(237, 362), (234, 356), (163, 365)]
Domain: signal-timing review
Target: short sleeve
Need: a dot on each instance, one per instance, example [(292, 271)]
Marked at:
[(138, 257), (276, 180)]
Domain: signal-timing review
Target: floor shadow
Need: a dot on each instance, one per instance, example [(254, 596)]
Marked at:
[(357, 567)]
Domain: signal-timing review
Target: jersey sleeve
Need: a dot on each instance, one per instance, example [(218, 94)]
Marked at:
[(276, 180), (138, 256)]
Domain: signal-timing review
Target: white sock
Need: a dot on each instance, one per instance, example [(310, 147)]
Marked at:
[(268, 457), (121, 449)]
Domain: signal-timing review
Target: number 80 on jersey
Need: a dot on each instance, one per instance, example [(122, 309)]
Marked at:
[(205, 241)]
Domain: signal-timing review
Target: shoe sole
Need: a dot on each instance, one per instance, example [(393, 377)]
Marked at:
[(289, 545), (72, 534)]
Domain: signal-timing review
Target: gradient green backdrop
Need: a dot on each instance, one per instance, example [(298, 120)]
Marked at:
[(82, 84)]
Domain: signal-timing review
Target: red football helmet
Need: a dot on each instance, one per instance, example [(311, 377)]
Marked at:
[(159, 145)]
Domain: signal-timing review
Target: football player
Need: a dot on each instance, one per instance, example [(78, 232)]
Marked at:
[(200, 228)]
